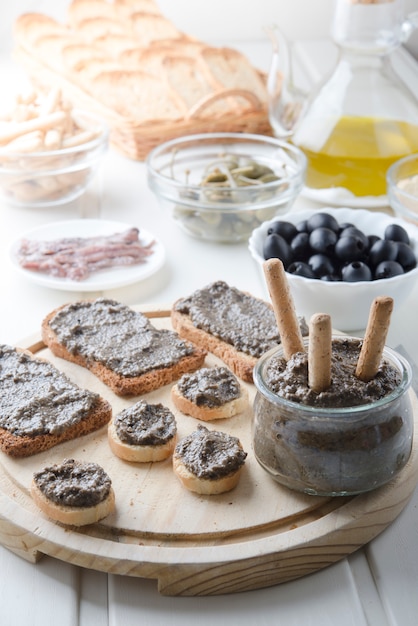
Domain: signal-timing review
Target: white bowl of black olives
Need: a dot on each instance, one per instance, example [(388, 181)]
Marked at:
[(338, 260)]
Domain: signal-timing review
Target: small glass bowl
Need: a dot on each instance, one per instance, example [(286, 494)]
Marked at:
[(226, 213), (402, 188), (332, 452), (53, 177)]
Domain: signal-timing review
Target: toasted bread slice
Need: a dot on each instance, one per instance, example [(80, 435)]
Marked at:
[(21, 442), (143, 433), (232, 324), (240, 363), (124, 385), (137, 453), (205, 474), (72, 476), (210, 394)]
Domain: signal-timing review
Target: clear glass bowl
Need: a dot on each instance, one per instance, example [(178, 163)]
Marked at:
[(53, 177), (402, 188), (332, 452), (226, 213)]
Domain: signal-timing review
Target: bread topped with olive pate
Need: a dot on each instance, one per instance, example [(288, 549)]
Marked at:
[(210, 393), (208, 462), (41, 407), (143, 433), (74, 493), (232, 324), (119, 345)]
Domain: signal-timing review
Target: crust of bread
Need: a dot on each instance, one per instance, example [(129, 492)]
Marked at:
[(240, 363), (198, 86), (124, 385), (137, 453), (71, 515), (23, 445), (205, 413), (204, 486)]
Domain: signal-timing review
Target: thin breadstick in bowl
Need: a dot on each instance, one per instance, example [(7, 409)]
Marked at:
[(49, 152)]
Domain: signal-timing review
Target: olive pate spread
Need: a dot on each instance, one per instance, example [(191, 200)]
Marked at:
[(210, 454), (74, 483), (289, 379), (245, 322), (37, 399), (210, 386), (348, 439), (144, 424), (121, 339)]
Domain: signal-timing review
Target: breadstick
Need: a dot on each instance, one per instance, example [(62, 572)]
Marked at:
[(283, 306), (319, 352), (39, 123), (79, 139), (51, 103), (29, 142), (375, 338)]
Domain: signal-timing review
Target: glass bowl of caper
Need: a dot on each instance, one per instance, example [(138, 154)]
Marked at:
[(221, 186)]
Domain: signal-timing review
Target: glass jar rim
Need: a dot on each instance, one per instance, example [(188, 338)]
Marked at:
[(308, 412)]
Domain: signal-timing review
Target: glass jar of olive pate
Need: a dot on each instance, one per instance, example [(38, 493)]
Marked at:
[(336, 449)]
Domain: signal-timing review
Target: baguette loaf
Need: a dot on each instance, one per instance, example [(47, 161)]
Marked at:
[(210, 394), (40, 407), (233, 325), (119, 345), (73, 493)]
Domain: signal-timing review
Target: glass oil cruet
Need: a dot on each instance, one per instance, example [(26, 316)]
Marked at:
[(363, 117)]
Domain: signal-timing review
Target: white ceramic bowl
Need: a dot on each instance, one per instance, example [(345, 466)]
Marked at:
[(402, 188), (348, 303), (53, 177), (227, 213)]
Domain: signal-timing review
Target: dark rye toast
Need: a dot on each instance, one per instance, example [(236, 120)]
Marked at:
[(251, 321), (122, 384), (24, 434)]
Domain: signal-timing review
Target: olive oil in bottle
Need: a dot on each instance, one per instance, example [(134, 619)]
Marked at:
[(358, 153)]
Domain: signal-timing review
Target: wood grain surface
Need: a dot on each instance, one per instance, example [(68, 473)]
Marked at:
[(258, 535)]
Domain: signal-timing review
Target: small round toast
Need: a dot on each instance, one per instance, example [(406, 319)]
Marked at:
[(84, 503), (208, 462), (143, 433), (210, 394)]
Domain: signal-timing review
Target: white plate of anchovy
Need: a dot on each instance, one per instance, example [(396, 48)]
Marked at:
[(87, 255)]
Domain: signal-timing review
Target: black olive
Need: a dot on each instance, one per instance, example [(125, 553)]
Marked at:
[(388, 269), (352, 231), (383, 250), (406, 256), (321, 264), (276, 247), (286, 229), (356, 271), (300, 246), (323, 240), (322, 220), (301, 269), (350, 248), (396, 232)]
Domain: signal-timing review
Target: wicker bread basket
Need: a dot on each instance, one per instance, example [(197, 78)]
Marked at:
[(222, 109)]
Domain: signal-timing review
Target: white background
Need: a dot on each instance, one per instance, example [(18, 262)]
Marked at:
[(205, 19)]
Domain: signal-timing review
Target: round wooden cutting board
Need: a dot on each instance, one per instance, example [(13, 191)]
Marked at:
[(258, 535)]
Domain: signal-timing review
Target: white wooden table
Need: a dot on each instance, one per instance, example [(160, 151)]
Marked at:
[(376, 586)]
